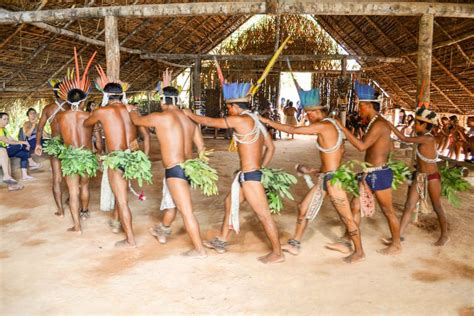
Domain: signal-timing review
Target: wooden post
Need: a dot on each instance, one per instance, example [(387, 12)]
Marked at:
[(112, 48), (197, 85), (425, 43)]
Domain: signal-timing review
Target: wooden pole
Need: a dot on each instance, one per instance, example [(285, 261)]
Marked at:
[(197, 85), (112, 48), (322, 7), (425, 43)]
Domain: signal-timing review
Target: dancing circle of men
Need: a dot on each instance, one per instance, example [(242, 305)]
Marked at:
[(178, 129)]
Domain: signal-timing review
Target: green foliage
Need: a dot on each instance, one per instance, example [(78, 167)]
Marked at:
[(136, 165), (452, 182), (346, 178), (78, 161), (400, 170), (54, 146), (202, 175), (277, 184)]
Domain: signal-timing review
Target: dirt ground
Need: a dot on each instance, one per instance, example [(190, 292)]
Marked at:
[(46, 270)]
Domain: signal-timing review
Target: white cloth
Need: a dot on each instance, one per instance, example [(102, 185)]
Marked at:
[(167, 200), (234, 221), (107, 199)]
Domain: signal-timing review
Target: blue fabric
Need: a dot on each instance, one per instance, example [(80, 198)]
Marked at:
[(251, 176), (235, 90), (19, 151), (380, 179), (327, 177), (176, 172), (365, 92)]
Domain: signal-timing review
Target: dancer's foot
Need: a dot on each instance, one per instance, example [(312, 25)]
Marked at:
[(442, 241), (272, 258), (75, 229), (193, 253), (340, 246), (84, 214), (391, 250), (355, 257), (161, 233), (216, 244), (125, 244), (293, 247), (388, 241), (59, 214)]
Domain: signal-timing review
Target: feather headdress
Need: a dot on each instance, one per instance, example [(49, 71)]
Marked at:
[(425, 115), (74, 81), (103, 80), (366, 93), (243, 92), (311, 99), (167, 82)]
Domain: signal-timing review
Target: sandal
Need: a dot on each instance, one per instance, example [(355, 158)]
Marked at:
[(216, 244)]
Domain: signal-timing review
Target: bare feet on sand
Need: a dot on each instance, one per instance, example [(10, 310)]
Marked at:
[(442, 241), (272, 258), (125, 244), (193, 253), (340, 246), (355, 257), (292, 250), (388, 241), (59, 214), (75, 230), (390, 250)]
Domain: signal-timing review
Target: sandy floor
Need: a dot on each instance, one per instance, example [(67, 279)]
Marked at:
[(45, 270)]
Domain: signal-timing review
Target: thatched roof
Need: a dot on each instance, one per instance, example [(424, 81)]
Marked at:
[(30, 55)]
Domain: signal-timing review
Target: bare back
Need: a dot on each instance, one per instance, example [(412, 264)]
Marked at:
[(72, 129), (377, 154), (120, 132), (175, 132), (47, 115)]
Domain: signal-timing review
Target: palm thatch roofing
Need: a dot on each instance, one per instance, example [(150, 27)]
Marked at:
[(30, 55)]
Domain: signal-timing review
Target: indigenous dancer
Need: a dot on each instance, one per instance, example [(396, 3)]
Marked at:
[(426, 178), (330, 144), (255, 148), (78, 163), (176, 134), (376, 179), (48, 115), (124, 160)]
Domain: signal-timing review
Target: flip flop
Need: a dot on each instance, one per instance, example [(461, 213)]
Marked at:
[(15, 187), (10, 181)]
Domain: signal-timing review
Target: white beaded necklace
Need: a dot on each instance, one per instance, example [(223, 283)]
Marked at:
[(426, 159), (370, 123), (338, 142), (254, 133)]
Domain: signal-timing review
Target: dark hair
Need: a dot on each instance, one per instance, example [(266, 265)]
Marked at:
[(242, 105), (29, 110), (376, 106), (170, 93), (453, 118), (2, 114), (410, 119), (444, 118), (115, 89), (89, 106), (75, 95)]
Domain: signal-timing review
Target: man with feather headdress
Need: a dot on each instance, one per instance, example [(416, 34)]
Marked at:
[(124, 161), (48, 115)]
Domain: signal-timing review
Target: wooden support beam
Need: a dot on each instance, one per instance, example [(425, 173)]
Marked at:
[(423, 69), (378, 59), (197, 84), (112, 48), (323, 7)]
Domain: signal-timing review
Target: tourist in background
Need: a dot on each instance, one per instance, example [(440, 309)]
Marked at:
[(290, 119)]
